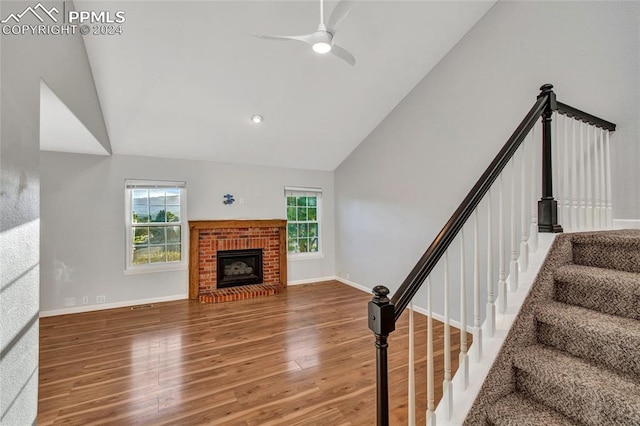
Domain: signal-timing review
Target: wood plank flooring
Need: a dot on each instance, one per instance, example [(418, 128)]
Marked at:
[(303, 357)]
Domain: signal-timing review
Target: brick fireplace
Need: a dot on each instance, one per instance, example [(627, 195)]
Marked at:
[(208, 237)]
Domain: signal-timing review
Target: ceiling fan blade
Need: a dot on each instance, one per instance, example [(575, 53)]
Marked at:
[(307, 38), (339, 13), (343, 54)]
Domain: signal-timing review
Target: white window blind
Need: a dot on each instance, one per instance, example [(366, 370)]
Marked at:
[(153, 184), (294, 191)]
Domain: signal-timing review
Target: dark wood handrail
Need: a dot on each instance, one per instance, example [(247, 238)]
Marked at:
[(440, 244), (570, 111)]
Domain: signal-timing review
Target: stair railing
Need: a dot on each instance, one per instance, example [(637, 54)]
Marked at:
[(582, 153)]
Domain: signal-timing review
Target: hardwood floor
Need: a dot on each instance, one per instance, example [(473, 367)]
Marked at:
[(303, 357)]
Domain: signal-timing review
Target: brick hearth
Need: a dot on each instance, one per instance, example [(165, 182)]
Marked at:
[(208, 237), (239, 293)]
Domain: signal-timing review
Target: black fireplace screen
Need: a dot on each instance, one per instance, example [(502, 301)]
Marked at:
[(239, 267)]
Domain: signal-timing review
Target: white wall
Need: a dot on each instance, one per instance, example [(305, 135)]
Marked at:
[(83, 232), (397, 189), (62, 62)]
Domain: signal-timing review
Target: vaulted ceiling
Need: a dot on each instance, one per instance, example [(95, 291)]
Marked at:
[(184, 78)]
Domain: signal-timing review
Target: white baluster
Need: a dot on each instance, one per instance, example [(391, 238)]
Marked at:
[(575, 223), (464, 357), (566, 206), (431, 416), (555, 170), (603, 183), (533, 230), (556, 145), (589, 191), (447, 391), (411, 406), (502, 271), (477, 330), (607, 164), (596, 178), (524, 245), (582, 179), (513, 264), (491, 307)]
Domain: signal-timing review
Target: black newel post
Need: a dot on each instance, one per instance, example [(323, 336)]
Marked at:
[(381, 322), (547, 206)]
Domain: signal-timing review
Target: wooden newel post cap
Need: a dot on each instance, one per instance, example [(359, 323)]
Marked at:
[(380, 293), (552, 104), (546, 88), (381, 312)]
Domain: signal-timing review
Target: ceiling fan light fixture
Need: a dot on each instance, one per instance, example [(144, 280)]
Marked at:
[(321, 47), (321, 40), (257, 118)]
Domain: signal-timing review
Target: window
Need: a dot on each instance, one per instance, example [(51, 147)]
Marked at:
[(304, 221), (155, 220)]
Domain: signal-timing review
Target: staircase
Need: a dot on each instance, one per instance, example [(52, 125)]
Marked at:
[(573, 354)]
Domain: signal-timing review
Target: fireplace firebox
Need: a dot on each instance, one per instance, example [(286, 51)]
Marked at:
[(239, 267)]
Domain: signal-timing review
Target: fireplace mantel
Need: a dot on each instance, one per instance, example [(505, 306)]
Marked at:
[(237, 223), (198, 227)]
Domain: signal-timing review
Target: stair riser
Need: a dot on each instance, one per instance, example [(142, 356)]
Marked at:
[(517, 410), (610, 351), (598, 298), (607, 256), (575, 402)]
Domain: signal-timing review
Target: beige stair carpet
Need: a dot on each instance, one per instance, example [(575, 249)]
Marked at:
[(572, 356)]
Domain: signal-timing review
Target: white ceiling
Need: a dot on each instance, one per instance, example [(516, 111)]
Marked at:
[(184, 78)]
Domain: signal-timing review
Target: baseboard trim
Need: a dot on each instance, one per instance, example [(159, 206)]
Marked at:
[(311, 280), (626, 223), (103, 306), (440, 318), (354, 285), (417, 309)]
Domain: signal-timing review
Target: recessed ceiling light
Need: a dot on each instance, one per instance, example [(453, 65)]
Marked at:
[(256, 118)]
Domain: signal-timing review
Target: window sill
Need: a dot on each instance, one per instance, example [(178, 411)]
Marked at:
[(304, 256), (154, 269)]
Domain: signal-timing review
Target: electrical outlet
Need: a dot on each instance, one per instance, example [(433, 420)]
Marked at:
[(101, 299), (85, 300), (69, 301), (348, 276)]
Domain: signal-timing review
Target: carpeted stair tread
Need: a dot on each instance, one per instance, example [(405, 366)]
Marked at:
[(608, 340), (618, 250), (606, 290), (517, 410), (576, 388)]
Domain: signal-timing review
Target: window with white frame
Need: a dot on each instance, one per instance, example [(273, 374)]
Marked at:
[(304, 234), (156, 225)]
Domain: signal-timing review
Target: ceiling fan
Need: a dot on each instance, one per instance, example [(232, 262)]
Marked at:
[(321, 40)]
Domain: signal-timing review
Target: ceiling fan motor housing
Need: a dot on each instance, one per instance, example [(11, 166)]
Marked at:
[(323, 36)]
